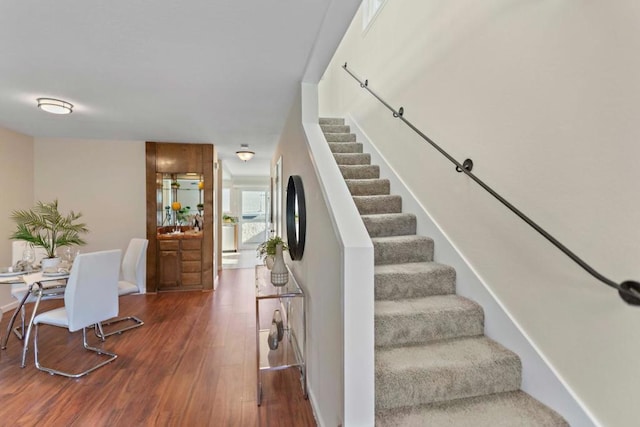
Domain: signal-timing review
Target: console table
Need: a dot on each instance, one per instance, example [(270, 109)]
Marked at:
[(288, 354)]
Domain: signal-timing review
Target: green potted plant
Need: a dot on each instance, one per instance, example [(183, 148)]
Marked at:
[(43, 226), (267, 250), (228, 219)]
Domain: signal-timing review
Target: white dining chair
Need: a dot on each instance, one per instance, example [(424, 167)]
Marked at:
[(20, 291), (91, 297), (133, 279)]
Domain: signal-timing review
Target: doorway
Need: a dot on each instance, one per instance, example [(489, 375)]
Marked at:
[(254, 217)]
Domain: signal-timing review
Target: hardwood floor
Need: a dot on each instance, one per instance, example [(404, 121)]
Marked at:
[(191, 364)]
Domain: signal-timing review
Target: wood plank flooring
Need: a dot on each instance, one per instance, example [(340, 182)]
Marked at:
[(191, 364)]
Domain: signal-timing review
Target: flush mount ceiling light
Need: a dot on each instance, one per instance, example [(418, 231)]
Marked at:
[(55, 106), (244, 153)]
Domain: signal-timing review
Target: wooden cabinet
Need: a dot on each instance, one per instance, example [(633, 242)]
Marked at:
[(186, 262), (178, 158), (179, 264)]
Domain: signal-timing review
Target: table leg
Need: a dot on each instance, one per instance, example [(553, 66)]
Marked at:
[(258, 379), (33, 316), (13, 319)]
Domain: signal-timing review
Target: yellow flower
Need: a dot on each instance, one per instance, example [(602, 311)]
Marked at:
[(200, 185), (176, 206)]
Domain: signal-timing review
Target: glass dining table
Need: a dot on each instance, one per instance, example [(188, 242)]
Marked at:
[(38, 284)]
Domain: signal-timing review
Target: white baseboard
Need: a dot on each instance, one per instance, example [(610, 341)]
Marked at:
[(9, 307)]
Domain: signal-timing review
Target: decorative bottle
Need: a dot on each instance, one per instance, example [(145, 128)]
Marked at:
[(277, 319), (272, 339), (279, 272)]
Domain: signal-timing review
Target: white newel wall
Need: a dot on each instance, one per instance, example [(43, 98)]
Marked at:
[(543, 96), (336, 274)]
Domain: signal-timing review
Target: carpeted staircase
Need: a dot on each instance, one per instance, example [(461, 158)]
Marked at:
[(434, 366)]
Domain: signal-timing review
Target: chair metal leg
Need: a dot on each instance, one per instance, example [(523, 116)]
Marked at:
[(18, 331), (25, 344), (136, 324), (112, 357), (13, 319), (97, 329)]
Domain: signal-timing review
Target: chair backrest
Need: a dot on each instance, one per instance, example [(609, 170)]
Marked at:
[(134, 263), (91, 295), (18, 247)]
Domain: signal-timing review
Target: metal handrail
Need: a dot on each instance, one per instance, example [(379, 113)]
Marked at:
[(629, 290)]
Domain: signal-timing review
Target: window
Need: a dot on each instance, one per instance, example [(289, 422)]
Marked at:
[(370, 10)]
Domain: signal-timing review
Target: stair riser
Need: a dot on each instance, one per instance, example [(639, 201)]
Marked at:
[(417, 387), (345, 147), (419, 250), (340, 137), (371, 205), (331, 121), (389, 225), (424, 327), (400, 285), (352, 159), (335, 129), (360, 172), (368, 187), (514, 408)]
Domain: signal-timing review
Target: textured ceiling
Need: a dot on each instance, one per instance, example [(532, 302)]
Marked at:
[(216, 71)]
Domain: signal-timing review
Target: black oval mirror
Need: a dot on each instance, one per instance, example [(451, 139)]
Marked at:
[(296, 217)]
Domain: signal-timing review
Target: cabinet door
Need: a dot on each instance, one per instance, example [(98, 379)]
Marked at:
[(169, 269), (168, 263)]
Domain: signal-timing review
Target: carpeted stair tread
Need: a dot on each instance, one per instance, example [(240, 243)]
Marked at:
[(345, 147), (508, 409), (359, 171), (368, 187), (340, 137), (444, 370), (352, 158), (383, 204), (402, 249), (389, 224), (331, 121), (335, 129), (421, 320), (413, 280)]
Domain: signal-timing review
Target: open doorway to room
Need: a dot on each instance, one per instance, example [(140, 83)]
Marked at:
[(246, 221), (254, 217)]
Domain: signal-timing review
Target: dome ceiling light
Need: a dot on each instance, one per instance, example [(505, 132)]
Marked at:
[(55, 106), (244, 153)]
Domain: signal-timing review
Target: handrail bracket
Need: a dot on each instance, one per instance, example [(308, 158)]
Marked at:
[(632, 288)]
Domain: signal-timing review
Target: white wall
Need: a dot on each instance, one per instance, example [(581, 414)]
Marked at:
[(16, 174), (543, 97), (318, 273), (105, 180)]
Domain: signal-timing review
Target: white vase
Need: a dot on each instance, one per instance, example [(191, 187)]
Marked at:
[(269, 260), (279, 272), (49, 263)]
